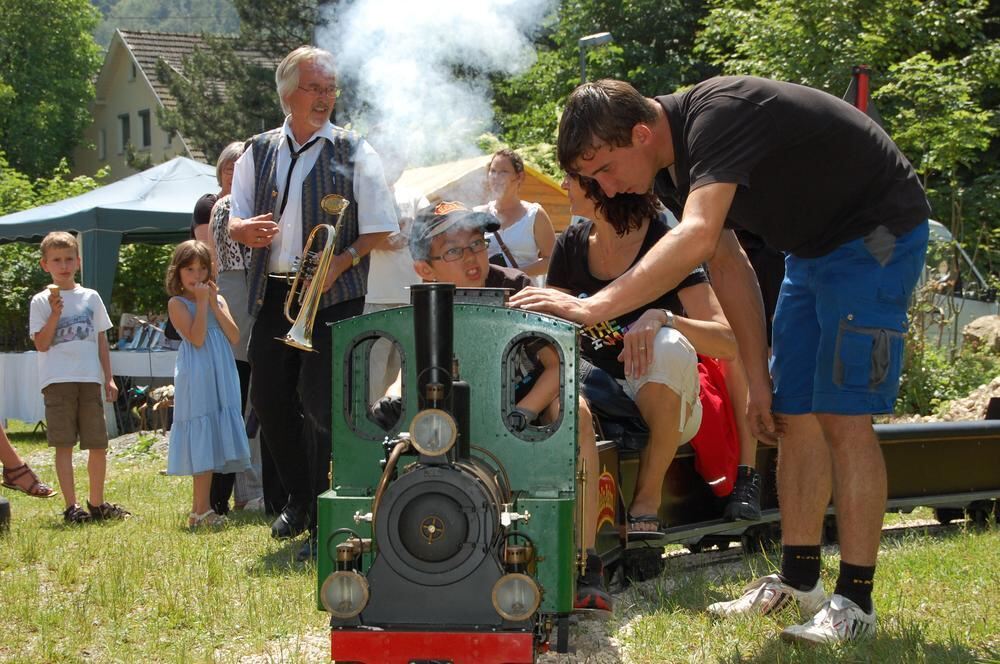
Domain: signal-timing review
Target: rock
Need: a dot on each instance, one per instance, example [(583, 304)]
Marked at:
[(984, 332)]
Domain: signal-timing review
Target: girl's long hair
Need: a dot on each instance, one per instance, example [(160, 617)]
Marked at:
[(185, 254), (624, 212)]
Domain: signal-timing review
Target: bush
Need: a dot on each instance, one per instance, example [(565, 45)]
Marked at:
[(932, 378)]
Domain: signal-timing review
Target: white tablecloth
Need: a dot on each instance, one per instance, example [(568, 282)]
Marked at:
[(21, 398)]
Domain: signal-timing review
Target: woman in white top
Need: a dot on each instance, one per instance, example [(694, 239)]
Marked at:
[(526, 237)]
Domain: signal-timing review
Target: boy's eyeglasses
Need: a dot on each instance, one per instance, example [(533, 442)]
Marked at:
[(456, 253)]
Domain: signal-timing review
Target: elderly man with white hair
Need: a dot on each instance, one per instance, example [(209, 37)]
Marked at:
[(278, 186)]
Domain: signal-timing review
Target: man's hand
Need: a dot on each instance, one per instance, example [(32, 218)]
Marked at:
[(763, 424), (340, 264), (550, 301), (255, 232)]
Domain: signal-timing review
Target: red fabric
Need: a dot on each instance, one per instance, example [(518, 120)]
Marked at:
[(717, 443)]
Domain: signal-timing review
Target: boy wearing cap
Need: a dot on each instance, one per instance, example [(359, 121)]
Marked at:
[(68, 324), (448, 244)]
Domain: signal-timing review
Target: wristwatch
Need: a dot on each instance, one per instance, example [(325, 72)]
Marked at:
[(355, 256), (670, 317)]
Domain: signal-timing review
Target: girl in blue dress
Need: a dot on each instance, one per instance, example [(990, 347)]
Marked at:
[(208, 433)]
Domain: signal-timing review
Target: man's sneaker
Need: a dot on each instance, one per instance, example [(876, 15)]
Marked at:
[(838, 619), (106, 511), (76, 514), (769, 594), (744, 501)]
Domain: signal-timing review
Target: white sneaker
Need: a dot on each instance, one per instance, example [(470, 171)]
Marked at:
[(769, 594), (255, 505), (838, 619)]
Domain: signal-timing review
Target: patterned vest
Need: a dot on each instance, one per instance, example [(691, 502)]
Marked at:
[(332, 174)]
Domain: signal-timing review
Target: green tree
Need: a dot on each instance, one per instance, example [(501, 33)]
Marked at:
[(48, 61), (21, 276), (226, 91), (652, 49), (213, 16)]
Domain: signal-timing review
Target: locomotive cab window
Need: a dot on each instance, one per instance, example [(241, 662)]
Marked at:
[(533, 386), (375, 385)]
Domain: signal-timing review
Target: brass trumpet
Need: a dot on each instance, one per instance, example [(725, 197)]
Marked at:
[(315, 267)]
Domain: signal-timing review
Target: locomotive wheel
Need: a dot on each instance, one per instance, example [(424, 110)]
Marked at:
[(756, 539), (946, 515), (980, 513), (642, 564), (562, 634)]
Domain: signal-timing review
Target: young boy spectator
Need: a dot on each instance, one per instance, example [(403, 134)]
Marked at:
[(68, 324), (447, 243)]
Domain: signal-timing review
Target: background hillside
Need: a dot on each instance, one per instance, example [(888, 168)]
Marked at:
[(214, 16)]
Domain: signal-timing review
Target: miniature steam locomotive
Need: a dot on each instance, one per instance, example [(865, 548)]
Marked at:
[(453, 537)]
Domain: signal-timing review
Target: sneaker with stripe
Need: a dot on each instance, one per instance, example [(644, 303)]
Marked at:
[(769, 594), (838, 619)]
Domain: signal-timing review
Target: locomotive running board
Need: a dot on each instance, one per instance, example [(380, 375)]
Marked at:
[(390, 647)]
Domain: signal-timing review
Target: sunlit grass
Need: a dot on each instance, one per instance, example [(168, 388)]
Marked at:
[(145, 589)]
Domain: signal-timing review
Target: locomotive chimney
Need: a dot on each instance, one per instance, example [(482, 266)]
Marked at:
[(433, 328)]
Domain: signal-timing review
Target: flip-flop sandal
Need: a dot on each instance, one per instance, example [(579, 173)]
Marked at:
[(640, 535), (38, 489)]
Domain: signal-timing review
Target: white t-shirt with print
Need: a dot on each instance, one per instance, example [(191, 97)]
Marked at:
[(73, 355)]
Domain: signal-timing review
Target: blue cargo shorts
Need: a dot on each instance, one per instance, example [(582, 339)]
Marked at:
[(839, 325)]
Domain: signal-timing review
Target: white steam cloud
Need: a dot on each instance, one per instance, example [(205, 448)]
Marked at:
[(403, 55)]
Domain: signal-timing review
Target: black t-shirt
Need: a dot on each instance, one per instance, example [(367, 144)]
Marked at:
[(202, 211), (568, 269), (813, 172)]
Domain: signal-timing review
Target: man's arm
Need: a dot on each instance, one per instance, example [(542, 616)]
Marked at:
[(342, 262), (738, 291), (665, 265)]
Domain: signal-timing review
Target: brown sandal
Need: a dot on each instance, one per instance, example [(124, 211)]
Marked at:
[(37, 488)]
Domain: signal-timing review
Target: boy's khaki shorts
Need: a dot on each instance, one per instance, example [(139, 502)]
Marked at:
[(75, 410)]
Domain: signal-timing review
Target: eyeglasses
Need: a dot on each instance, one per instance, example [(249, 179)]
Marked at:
[(316, 91), (456, 253)]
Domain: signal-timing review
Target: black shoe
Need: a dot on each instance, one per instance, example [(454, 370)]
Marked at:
[(744, 501), (76, 514), (309, 549), (106, 511), (292, 522), (591, 594)]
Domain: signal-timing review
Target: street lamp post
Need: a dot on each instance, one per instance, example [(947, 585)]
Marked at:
[(591, 41)]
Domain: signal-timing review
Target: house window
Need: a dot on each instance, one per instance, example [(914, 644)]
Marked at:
[(147, 130), (132, 72), (102, 144), (125, 132)]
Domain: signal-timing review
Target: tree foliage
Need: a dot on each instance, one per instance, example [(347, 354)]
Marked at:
[(936, 76), (652, 49), (20, 274), (226, 91), (48, 60), (214, 16)]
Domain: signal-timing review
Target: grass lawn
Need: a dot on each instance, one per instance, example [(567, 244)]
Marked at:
[(147, 590)]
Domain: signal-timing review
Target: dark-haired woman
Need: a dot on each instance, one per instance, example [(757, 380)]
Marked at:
[(649, 355)]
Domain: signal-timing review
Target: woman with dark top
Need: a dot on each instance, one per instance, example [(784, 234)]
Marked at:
[(650, 355)]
